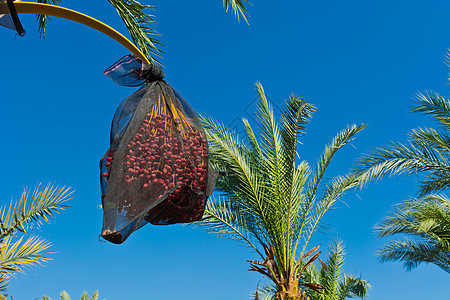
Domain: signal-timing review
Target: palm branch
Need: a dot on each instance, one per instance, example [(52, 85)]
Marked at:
[(427, 150), (337, 286), (140, 26), (43, 19), (237, 8), (425, 225), (21, 217), (268, 199)]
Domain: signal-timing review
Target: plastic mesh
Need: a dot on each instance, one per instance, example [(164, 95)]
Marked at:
[(156, 169)]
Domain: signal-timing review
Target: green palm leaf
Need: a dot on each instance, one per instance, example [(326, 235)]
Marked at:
[(225, 219), (426, 151), (426, 224), (353, 287), (313, 209), (434, 105), (22, 216), (65, 296), (45, 203), (337, 286), (17, 256), (237, 7), (43, 19), (139, 25)]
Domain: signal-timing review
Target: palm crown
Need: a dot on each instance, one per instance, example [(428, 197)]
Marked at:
[(268, 201)]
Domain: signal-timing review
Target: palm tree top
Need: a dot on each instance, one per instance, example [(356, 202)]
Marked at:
[(269, 199)]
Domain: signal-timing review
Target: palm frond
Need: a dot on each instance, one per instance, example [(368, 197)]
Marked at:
[(43, 19), (433, 104), (293, 205), (224, 218), (414, 253), (296, 114), (139, 25), (417, 156), (273, 170), (425, 220), (94, 295), (447, 61), (17, 256), (3, 285), (353, 287), (45, 203), (435, 139), (84, 296), (271, 142), (330, 196), (336, 286), (64, 296), (228, 153), (427, 150), (332, 193), (237, 7), (255, 150), (264, 292), (341, 139), (434, 182), (331, 277)]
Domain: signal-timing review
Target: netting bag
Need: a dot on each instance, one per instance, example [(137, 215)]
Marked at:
[(156, 169), (9, 17)]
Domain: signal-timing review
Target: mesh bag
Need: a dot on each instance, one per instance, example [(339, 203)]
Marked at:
[(9, 17), (156, 169)]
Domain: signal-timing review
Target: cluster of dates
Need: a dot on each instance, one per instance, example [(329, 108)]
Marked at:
[(166, 155), (179, 207)]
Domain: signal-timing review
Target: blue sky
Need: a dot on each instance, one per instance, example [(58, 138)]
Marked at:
[(357, 61)]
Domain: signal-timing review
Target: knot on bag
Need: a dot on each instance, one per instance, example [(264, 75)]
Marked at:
[(131, 71), (152, 73)]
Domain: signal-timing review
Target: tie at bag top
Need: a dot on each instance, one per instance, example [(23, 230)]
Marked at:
[(156, 169)]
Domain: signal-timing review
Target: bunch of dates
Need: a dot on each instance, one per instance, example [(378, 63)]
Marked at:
[(167, 157)]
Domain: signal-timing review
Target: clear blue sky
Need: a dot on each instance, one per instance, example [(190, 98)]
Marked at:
[(358, 61)]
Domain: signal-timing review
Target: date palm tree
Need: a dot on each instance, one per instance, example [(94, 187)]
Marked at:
[(140, 24), (270, 200), (425, 225), (17, 220)]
